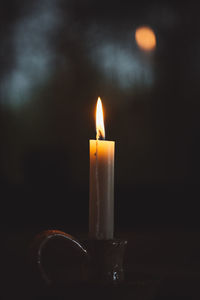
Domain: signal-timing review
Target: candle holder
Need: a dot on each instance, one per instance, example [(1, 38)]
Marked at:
[(105, 260), (60, 259), (57, 258)]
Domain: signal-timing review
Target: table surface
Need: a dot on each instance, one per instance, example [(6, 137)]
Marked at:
[(158, 264)]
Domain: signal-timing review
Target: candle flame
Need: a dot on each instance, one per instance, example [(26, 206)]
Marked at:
[(100, 130)]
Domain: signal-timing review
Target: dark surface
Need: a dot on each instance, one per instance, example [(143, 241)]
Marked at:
[(56, 58), (157, 264)]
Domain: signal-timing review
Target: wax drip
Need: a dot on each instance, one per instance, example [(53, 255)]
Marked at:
[(97, 191)]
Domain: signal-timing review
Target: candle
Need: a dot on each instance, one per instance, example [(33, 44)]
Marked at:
[(101, 206)]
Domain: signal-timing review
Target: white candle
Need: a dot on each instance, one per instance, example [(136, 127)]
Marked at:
[(101, 212)]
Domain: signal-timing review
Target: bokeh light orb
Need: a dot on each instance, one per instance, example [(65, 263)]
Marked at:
[(145, 38)]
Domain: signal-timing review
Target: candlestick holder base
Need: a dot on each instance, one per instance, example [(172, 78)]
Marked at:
[(105, 260), (59, 259)]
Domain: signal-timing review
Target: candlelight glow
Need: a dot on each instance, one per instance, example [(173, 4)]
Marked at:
[(145, 38), (100, 130), (34, 53), (130, 70)]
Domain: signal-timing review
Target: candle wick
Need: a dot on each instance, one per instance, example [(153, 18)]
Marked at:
[(99, 135)]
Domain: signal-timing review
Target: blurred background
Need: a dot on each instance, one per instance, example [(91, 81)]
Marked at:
[(56, 58)]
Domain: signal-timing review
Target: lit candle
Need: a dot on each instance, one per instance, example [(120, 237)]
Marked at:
[(101, 211)]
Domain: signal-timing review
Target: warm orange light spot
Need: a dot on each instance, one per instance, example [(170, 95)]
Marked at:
[(145, 38), (100, 130)]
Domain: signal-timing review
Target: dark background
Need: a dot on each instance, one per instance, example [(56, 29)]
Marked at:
[(56, 58)]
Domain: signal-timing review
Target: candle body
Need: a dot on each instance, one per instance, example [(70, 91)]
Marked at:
[(101, 206)]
